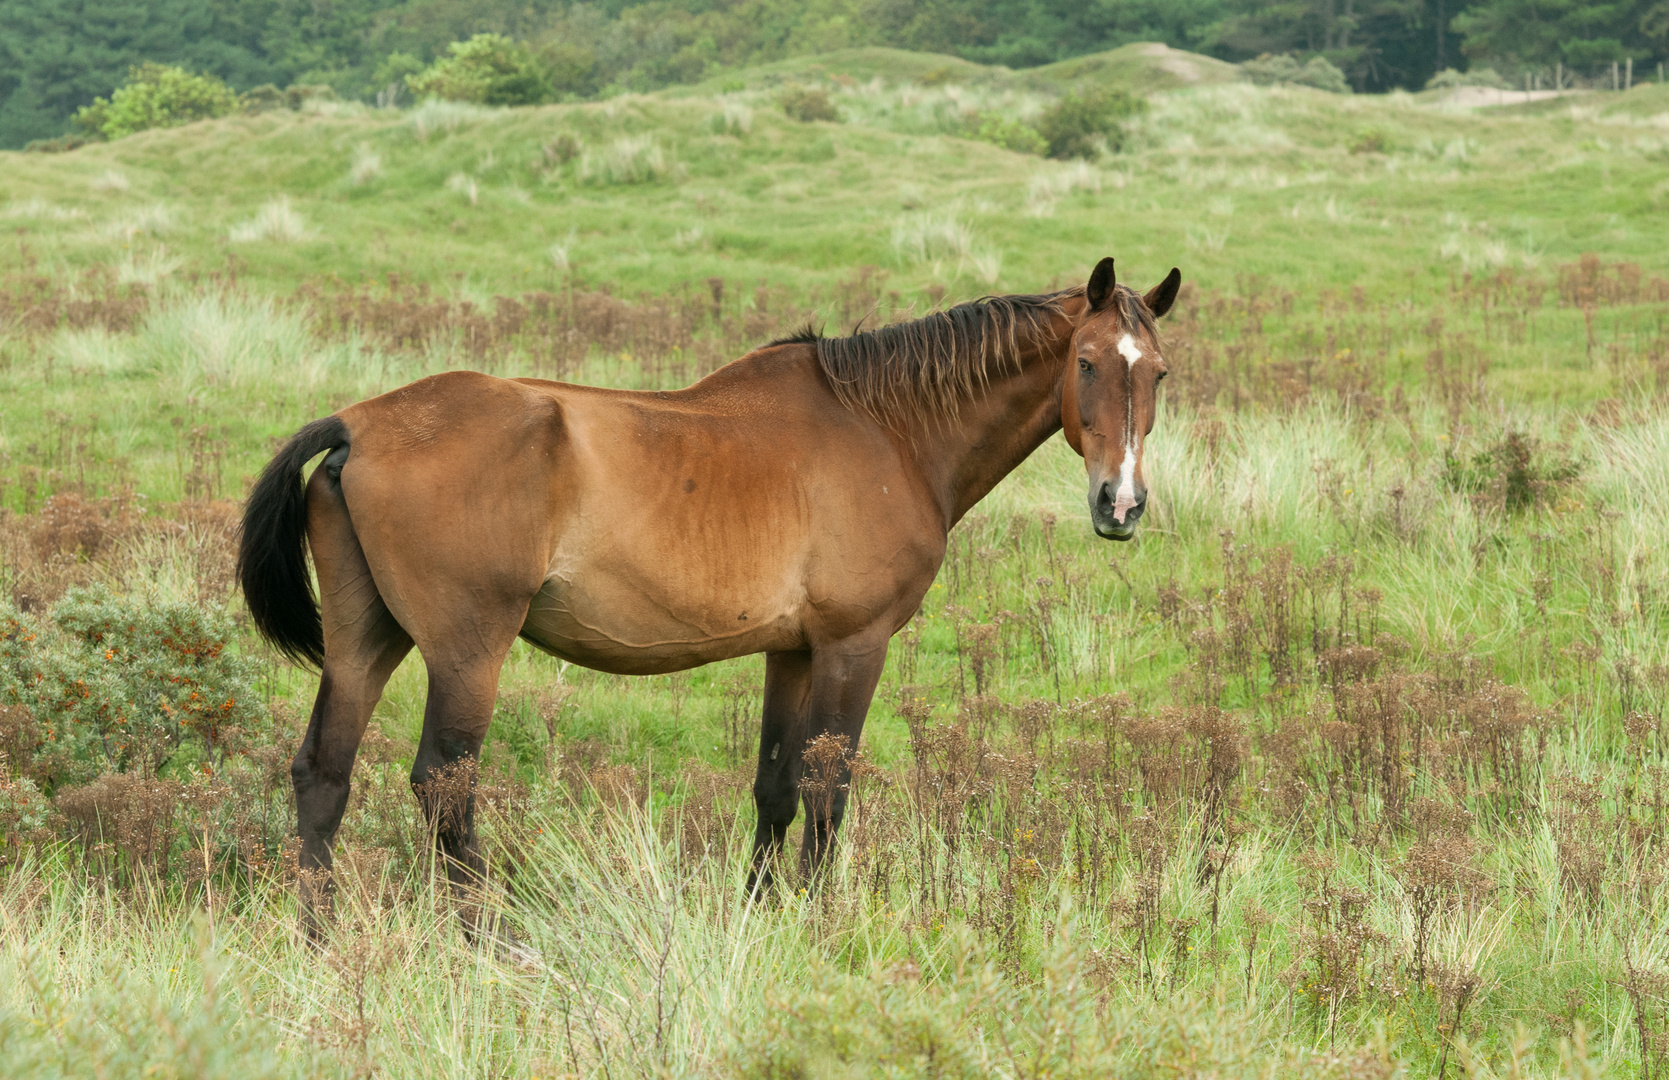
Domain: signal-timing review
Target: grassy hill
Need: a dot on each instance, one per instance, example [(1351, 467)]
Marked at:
[(643, 193), (1142, 67)]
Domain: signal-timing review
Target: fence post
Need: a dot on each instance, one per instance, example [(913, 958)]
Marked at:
[(1559, 76), (1628, 80), (1616, 84)]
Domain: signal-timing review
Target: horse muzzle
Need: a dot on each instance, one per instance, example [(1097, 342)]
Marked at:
[(1115, 518)]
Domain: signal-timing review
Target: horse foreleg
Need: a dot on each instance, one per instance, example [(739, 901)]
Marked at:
[(825, 691), (843, 680), (776, 786)]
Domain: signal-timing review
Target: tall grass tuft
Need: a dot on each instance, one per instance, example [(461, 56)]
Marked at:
[(366, 166), (734, 117), (444, 117), (277, 221), (926, 237), (111, 182), (629, 159), (465, 185), (1046, 188)]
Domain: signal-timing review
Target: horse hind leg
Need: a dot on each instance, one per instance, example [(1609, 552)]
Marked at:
[(462, 691), (363, 646)]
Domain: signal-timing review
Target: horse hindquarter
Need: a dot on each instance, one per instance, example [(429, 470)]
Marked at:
[(448, 485)]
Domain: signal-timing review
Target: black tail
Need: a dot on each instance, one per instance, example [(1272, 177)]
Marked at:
[(272, 555)]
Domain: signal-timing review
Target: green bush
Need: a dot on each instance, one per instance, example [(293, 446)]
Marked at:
[(62, 144), (1285, 70), (1087, 121), (1513, 474), (157, 96), (1009, 134), (268, 98), (108, 684), (808, 103), (1370, 140), (488, 69)]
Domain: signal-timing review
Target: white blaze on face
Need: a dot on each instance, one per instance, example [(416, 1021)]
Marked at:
[(1124, 499)]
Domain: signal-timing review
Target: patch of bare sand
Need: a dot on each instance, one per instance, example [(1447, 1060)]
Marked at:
[(1173, 62), (1478, 97)]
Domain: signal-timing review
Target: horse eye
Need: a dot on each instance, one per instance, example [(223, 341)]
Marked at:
[(1084, 366), (1160, 378)]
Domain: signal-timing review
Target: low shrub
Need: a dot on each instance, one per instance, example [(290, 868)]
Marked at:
[(268, 98), (808, 104), (1513, 474), (1370, 140), (1087, 121), (157, 96), (108, 684), (1015, 135), (61, 144), (1318, 73)]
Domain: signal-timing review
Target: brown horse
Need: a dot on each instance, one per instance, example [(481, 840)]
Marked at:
[(796, 502)]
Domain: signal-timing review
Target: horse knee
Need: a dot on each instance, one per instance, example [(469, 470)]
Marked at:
[(445, 788), (321, 797), (777, 804)]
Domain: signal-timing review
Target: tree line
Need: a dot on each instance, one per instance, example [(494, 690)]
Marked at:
[(57, 56)]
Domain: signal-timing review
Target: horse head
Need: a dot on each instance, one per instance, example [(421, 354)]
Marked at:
[(1110, 392)]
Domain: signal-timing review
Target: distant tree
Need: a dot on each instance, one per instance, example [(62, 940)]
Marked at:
[(572, 67), (1654, 27), (488, 69), (58, 55), (1581, 34)]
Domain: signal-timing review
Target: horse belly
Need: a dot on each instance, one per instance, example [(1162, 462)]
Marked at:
[(609, 625)]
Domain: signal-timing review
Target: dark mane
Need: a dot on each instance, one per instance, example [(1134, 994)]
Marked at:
[(924, 369)]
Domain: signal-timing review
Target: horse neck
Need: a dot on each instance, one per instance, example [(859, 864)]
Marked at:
[(965, 457)]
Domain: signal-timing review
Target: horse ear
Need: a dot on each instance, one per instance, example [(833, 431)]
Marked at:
[(1101, 282), (1160, 298)]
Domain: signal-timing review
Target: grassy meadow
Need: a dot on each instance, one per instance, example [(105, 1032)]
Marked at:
[(1353, 764)]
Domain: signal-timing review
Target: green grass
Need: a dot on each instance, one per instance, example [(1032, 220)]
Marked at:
[(1362, 334)]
